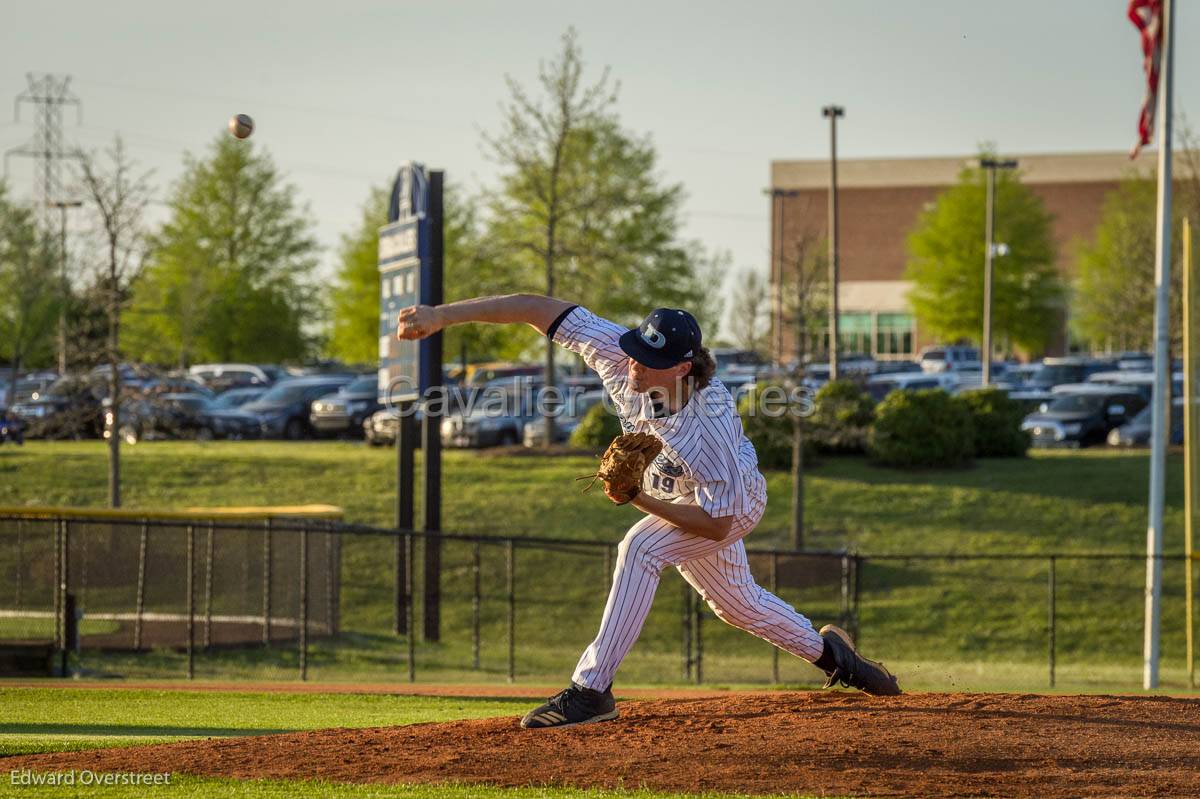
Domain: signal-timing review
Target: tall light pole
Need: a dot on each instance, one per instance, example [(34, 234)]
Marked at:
[(62, 254), (989, 251), (1160, 415), (832, 112)]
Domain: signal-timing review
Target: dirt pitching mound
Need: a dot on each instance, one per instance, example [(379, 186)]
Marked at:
[(827, 743)]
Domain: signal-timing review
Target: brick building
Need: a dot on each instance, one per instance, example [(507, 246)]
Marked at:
[(879, 202)]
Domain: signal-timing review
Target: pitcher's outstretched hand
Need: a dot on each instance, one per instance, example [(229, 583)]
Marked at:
[(417, 321)]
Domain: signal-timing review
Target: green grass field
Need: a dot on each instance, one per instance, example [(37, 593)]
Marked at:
[(962, 624)]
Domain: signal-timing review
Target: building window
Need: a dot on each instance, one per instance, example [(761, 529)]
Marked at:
[(894, 334), (884, 336), (854, 332)]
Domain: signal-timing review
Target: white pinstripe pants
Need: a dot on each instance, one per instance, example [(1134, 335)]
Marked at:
[(718, 570)]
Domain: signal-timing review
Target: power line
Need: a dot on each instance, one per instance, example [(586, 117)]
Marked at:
[(222, 98), (177, 147)]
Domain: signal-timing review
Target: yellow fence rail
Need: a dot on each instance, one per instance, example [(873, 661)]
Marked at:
[(1191, 461), (330, 512)]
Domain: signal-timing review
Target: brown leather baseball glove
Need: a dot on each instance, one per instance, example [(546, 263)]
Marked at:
[(624, 462)]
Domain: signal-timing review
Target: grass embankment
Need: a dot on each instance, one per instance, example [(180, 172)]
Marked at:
[(944, 623)]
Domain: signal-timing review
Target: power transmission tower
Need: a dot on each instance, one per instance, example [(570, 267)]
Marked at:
[(49, 93)]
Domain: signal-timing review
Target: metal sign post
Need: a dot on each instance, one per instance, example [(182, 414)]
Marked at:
[(410, 372), (430, 370)]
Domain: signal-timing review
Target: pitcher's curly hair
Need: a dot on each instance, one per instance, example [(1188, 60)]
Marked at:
[(703, 368)]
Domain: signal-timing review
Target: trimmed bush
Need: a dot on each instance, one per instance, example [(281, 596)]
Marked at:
[(771, 433), (922, 428), (997, 422), (842, 416), (596, 430)]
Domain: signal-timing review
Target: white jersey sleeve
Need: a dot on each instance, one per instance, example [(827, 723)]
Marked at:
[(596, 340)]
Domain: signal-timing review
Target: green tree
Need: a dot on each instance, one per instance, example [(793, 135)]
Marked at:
[(581, 211), (30, 291), (228, 277), (945, 265), (1113, 303), (611, 238), (469, 271), (354, 299)]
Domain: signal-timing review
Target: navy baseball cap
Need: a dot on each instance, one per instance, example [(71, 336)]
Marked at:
[(666, 338)]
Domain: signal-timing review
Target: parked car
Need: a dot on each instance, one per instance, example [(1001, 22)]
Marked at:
[(900, 365), (380, 428), (739, 383), (480, 374), (223, 376), (815, 375), (949, 359), (738, 367), (68, 408), (11, 428), (157, 417), (1143, 382), (27, 388), (343, 412), (1136, 432), (211, 420), (495, 419), (237, 397), (1053, 372), (857, 364), (566, 422), (284, 410), (1135, 361), (970, 380), (879, 386), (1082, 415), (1030, 399), (132, 376)]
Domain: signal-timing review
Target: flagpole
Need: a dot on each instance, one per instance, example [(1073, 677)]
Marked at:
[(1160, 412)]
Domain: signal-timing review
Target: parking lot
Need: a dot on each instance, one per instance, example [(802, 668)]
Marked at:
[(1073, 401)]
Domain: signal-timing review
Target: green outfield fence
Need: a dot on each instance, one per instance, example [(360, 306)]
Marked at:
[(318, 599)]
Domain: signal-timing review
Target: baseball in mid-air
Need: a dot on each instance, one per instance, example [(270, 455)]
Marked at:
[(241, 125)]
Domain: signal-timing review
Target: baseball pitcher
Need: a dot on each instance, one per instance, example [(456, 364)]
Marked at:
[(683, 461)]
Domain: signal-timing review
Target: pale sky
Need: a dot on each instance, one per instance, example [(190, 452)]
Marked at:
[(343, 92)]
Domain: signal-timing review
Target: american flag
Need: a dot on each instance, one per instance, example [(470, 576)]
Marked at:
[(1146, 15)]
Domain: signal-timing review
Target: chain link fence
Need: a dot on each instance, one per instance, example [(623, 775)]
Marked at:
[(304, 599)]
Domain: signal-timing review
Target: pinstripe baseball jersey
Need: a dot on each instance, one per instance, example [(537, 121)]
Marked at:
[(706, 458)]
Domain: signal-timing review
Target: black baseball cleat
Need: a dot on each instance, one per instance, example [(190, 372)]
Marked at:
[(852, 669), (576, 705)]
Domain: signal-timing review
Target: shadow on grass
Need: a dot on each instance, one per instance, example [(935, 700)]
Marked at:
[(890, 575)]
